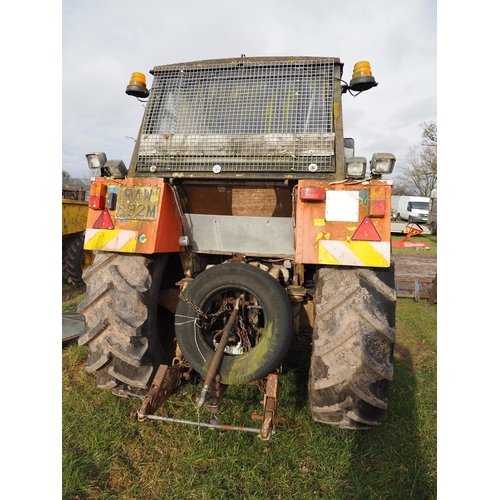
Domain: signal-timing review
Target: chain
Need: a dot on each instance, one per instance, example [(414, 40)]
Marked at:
[(192, 306), (223, 308), (242, 332)]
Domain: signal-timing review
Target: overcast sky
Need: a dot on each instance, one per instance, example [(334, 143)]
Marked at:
[(105, 41)]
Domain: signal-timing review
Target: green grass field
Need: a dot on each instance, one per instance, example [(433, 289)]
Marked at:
[(108, 455)]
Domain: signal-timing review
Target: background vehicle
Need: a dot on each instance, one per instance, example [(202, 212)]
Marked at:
[(244, 216), (74, 222), (394, 207), (432, 220), (413, 208)]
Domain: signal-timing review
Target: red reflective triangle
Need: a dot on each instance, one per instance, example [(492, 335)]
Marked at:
[(366, 231), (103, 221)]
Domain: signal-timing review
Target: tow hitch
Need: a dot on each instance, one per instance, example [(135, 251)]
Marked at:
[(167, 378)]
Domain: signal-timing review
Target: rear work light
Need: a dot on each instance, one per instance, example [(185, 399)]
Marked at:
[(115, 169), (96, 160), (312, 194), (382, 163), (355, 167)]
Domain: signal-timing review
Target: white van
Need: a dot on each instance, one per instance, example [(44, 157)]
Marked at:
[(413, 208)]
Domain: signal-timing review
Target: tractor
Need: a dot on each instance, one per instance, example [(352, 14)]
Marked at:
[(243, 217)]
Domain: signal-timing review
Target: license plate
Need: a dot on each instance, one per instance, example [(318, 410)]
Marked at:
[(139, 203)]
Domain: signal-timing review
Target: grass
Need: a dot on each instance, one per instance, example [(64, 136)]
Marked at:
[(71, 296), (108, 455)]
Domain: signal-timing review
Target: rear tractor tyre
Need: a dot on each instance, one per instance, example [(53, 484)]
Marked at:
[(121, 327), (353, 343), (263, 331)]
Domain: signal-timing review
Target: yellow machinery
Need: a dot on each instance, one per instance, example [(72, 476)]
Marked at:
[(74, 257)]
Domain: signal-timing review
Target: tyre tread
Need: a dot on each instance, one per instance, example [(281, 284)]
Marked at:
[(117, 309), (353, 341), (72, 260)]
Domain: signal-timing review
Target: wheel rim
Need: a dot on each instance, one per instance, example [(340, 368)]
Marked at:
[(250, 325), (87, 259)]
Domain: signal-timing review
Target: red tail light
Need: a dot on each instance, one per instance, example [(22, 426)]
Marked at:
[(312, 194), (97, 196), (377, 201)]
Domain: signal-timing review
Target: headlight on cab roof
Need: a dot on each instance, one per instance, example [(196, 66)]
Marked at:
[(355, 167), (96, 160), (382, 163)]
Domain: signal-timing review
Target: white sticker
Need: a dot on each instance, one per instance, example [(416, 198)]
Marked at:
[(342, 206)]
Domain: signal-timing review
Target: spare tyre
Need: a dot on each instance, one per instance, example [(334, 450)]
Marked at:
[(263, 331)]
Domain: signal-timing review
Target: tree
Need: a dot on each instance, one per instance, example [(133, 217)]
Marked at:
[(71, 183), (418, 174)]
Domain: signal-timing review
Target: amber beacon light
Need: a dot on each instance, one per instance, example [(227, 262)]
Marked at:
[(362, 78), (137, 85)]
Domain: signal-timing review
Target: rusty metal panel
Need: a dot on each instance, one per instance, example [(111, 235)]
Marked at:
[(238, 234), (138, 203), (340, 230), (143, 219), (74, 216)]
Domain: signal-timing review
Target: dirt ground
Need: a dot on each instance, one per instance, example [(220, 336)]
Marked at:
[(415, 266)]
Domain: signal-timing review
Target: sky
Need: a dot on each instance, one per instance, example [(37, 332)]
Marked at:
[(103, 42)]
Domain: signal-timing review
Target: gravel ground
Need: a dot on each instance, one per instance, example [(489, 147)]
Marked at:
[(415, 266)]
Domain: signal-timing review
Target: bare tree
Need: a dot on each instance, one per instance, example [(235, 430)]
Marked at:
[(418, 174), (429, 134), (72, 183)]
